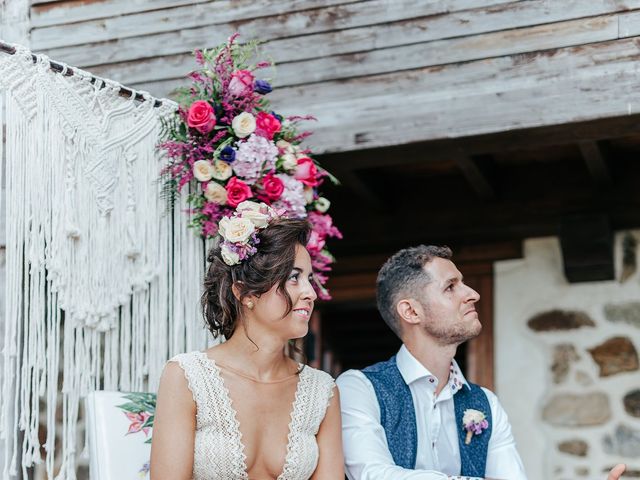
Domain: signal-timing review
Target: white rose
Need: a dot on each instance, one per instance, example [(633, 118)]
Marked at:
[(285, 146), (258, 213), (238, 229), (260, 220), (308, 194), (216, 193), (230, 257), (322, 204), (221, 170), (243, 125), (203, 170), (289, 161), (472, 416), (249, 205), (222, 226)]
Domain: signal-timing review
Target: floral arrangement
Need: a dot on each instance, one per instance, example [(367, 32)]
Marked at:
[(474, 422), (226, 146), (239, 232)]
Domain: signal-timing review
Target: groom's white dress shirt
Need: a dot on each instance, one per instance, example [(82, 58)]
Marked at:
[(366, 452)]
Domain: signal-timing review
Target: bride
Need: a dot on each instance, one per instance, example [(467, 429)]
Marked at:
[(245, 409)]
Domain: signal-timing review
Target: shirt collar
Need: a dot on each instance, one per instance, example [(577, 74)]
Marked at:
[(411, 370)]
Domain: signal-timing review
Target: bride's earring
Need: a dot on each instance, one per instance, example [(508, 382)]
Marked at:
[(250, 305)]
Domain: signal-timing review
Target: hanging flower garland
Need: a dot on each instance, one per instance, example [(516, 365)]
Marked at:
[(227, 146)]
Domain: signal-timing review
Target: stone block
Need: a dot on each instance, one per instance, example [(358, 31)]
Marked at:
[(624, 442), (560, 320), (582, 471), (628, 312), (583, 378), (577, 410), (576, 447), (632, 403), (616, 355), (563, 355)]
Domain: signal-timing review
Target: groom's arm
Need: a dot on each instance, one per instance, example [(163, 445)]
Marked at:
[(503, 460), (366, 452)]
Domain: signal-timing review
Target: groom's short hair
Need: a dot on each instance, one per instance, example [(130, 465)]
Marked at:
[(402, 276)]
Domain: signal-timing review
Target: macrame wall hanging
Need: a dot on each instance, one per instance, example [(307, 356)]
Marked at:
[(102, 283)]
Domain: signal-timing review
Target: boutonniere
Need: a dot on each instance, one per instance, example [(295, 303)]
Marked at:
[(474, 422)]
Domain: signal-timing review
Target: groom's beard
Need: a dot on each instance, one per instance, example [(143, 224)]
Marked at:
[(450, 331)]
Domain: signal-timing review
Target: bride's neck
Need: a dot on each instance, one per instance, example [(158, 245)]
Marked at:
[(261, 357)]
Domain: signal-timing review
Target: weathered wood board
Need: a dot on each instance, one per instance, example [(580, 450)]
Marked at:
[(377, 72)]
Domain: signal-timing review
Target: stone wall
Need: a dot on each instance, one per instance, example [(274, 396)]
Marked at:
[(567, 364)]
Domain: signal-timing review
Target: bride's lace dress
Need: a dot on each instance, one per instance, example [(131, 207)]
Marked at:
[(219, 453)]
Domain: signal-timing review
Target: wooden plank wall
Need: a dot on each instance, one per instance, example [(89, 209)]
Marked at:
[(377, 72)]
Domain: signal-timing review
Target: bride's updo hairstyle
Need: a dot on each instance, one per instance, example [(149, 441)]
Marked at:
[(270, 265)]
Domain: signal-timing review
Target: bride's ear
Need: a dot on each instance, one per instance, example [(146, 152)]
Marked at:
[(235, 288), (247, 301)]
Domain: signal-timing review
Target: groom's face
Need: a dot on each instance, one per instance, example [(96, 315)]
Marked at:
[(450, 315)]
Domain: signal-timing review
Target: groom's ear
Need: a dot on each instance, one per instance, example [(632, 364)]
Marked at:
[(409, 311)]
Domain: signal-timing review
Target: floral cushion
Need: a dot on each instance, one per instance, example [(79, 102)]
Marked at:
[(119, 427)]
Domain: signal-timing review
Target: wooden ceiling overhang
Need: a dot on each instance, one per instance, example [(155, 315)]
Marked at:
[(492, 190)]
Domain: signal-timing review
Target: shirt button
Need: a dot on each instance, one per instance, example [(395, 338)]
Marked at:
[(431, 380)]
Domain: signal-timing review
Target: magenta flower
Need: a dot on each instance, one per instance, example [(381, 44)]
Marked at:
[(201, 116)]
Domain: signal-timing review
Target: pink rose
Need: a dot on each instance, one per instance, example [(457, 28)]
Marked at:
[(306, 172), (271, 188), (237, 192), (201, 116), (241, 83), (267, 125)]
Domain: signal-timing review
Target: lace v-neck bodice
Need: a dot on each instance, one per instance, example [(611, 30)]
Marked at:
[(219, 452)]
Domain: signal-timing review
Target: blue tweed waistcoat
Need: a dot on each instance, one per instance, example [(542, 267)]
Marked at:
[(398, 418)]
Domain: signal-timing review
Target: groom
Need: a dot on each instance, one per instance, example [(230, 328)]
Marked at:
[(415, 416)]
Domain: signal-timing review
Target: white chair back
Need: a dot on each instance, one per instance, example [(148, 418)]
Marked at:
[(119, 431)]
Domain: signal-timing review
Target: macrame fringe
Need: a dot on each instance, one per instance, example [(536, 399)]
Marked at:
[(102, 286)]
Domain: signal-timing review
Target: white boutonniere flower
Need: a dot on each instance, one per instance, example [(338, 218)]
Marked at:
[(474, 422)]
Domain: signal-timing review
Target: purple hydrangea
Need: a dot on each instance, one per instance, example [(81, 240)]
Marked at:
[(253, 157)]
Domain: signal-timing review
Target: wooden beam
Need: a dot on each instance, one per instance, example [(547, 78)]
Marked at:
[(508, 141), (596, 160), (530, 206), (474, 176)]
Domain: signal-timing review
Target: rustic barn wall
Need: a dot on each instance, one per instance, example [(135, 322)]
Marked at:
[(377, 72)]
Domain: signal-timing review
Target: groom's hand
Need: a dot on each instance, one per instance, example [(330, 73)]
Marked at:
[(617, 471)]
